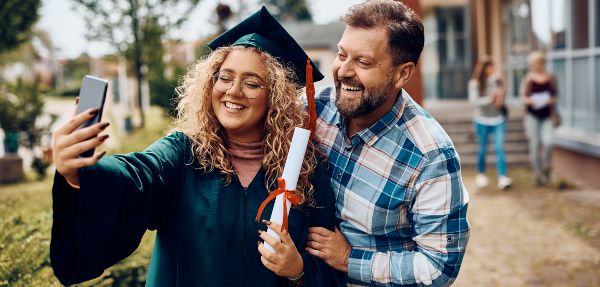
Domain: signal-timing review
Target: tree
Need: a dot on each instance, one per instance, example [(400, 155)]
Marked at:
[(162, 87), (121, 22), (223, 13), (18, 17), (21, 107), (288, 10), (73, 72)]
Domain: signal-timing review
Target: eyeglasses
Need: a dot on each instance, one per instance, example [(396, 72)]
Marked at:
[(223, 82)]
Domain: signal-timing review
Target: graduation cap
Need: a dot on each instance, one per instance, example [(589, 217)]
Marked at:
[(262, 31)]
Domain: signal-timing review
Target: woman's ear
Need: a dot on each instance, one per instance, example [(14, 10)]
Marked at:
[(403, 74)]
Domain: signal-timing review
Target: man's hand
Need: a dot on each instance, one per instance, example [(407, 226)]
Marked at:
[(331, 247)]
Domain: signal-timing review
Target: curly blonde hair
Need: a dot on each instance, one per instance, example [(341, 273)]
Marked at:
[(196, 118)]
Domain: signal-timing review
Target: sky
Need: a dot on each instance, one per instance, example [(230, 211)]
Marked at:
[(67, 28)]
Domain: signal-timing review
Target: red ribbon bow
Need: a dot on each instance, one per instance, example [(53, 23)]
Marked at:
[(287, 194)]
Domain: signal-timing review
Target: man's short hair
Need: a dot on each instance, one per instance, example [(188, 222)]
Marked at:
[(403, 26)]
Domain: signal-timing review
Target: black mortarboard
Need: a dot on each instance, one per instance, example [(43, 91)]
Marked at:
[(262, 31)]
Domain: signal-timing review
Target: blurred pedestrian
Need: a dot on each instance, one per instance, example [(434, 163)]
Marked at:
[(486, 93), (538, 93)]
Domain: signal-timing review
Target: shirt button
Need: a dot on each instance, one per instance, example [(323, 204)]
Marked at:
[(348, 148), (339, 175)]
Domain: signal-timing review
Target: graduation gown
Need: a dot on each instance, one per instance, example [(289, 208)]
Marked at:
[(206, 232)]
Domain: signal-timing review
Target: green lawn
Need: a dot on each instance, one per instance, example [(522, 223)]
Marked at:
[(26, 221)]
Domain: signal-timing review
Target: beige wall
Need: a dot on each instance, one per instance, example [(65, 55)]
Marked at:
[(488, 30), (325, 58), (575, 167), (431, 3)]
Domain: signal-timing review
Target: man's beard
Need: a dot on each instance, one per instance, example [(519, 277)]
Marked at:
[(370, 99)]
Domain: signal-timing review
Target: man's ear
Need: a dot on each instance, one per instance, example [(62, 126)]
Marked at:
[(403, 74)]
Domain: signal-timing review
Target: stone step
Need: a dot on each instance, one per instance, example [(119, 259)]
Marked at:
[(509, 148), (462, 110), (468, 117), (510, 136), (456, 117), (518, 159), (452, 128)]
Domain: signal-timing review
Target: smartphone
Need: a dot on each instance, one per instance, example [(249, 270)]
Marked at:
[(91, 95)]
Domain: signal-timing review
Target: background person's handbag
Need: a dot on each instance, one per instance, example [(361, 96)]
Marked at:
[(504, 111), (555, 117)]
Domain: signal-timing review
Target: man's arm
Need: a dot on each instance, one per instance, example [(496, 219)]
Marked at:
[(438, 216)]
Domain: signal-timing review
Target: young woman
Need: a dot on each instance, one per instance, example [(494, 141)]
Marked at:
[(201, 186), (486, 93), (538, 93)]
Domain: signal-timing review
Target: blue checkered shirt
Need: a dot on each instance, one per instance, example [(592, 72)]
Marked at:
[(400, 198)]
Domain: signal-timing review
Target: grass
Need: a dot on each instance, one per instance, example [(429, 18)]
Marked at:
[(26, 221)]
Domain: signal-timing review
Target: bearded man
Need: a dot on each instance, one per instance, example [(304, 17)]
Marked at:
[(400, 201)]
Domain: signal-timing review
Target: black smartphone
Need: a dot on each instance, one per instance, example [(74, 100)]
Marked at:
[(91, 95)]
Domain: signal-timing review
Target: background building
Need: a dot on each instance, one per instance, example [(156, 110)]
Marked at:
[(458, 32)]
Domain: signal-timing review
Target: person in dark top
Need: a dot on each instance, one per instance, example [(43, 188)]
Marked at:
[(201, 186), (538, 93)]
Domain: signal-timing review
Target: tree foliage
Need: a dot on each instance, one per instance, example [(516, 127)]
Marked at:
[(16, 20), (162, 86), (73, 72), (122, 22), (21, 107), (289, 10)]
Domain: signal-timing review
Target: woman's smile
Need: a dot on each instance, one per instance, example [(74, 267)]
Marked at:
[(242, 118)]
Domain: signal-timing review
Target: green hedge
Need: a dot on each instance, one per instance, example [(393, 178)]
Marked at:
[(26, 221)]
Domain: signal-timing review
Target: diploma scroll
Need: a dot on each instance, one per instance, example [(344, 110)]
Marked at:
[(291, 172), (540, 99)]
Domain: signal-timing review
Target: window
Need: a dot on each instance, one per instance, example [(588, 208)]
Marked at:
[(540, 23), (569, 31), (558, 68), (517, 76), (519, 28), (597, 19), (558, 28), (579, 24), (445, 55), (582, 96), (597, 94)]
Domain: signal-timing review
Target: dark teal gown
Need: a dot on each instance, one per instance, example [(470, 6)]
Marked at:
[(206, 232)]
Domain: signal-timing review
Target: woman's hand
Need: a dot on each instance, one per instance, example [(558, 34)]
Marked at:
[(498, 97), (286, 262), (69, 143)]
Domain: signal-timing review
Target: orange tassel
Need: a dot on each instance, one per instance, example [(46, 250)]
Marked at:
[(311, 122)]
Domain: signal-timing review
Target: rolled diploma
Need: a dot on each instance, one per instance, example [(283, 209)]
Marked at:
[(291, 172)]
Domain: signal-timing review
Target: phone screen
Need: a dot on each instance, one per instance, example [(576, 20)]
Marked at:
[(91, 95)]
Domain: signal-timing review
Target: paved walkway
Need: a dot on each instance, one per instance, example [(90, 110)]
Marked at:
[(531, 236)]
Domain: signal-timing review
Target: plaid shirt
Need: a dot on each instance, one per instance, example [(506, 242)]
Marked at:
[(400, 198)]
